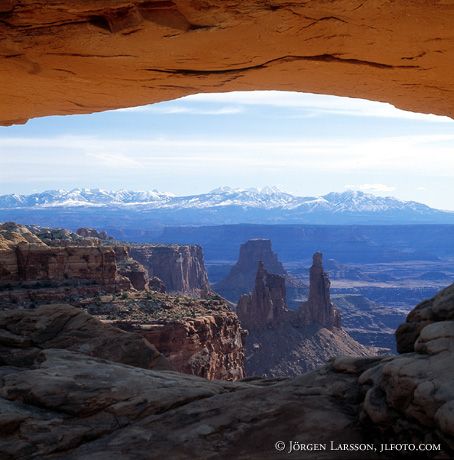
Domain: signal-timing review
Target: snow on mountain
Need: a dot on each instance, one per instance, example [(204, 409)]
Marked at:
[(268, 198)]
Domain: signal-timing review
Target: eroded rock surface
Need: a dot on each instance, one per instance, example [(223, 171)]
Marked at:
[(24, 333), (242, 276), (65, 404), (439, 308), (180, 267), (282, 342), (318, 309), (201, 337), (266, 305), (62, 57)]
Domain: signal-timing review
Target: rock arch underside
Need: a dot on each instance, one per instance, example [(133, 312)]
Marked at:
[(66, 57)]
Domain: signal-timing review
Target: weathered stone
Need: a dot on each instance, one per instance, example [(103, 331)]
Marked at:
[(62, 326), (208, 346), (439, 308), (282, 342), (267, 303), (180, 268), (318, 309), (242, 276), (62, 57), (67, 405)]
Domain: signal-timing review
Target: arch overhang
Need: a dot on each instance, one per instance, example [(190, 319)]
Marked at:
[(65, 57)]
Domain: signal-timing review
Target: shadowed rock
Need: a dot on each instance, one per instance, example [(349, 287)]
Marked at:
[(68, 405), (319, 309)]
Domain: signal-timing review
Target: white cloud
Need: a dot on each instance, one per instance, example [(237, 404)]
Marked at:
[(417, 154), (373, 188), (314, 103), (173, 108)]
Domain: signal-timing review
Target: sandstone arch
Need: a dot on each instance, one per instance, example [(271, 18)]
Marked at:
[(64, 57)]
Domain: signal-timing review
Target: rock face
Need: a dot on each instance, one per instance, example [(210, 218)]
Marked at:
[(28, 332), (201, 337), (92, 233), (281, 342), (65, 404), (128, 267), (241, 278), (318, 309), (439, 308), (266, 305), (180, 268), (59, 57), (209, 346), (50, 265)]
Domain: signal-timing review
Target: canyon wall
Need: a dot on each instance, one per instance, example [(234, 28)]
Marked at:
[(117, 409), (181, 268), (209, 346), (26, 259)]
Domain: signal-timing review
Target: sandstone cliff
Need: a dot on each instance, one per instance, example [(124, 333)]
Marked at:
[(181, 268), (64, 404), (266, 305), (281, 342), (42, 265), (201, 337), (63, 57), (318, 309), (242, 275)]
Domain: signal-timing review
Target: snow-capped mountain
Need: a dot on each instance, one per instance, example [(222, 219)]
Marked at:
[(81, 197), (228, 205)]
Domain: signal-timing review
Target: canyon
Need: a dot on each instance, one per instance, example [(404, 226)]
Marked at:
[(282, 342), (119, 410), (199, 336)]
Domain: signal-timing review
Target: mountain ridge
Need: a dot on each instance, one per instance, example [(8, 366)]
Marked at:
[(226, 205), (269, 197)]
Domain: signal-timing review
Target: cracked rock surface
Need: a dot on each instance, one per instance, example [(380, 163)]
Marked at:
[(64, 57), (61, 403)]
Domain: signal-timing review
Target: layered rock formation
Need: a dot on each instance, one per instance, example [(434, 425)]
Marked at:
[(209, 346), (282, 342), (60, 57), (439, 308), (62, 326), (201, 337), (65, 404), (180, 268), (242, 275), (42, 265), (266, 304), (130, 268), (92, 233), (318, 309)]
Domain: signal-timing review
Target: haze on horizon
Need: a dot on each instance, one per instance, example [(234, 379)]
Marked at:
[(304, 144)]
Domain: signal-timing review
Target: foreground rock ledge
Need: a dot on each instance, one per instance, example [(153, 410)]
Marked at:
[(65, 57), (64, 404)]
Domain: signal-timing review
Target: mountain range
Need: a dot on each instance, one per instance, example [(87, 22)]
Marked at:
[(227, 205)]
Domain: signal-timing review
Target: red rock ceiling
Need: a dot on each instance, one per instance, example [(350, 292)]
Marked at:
[(67, 57)]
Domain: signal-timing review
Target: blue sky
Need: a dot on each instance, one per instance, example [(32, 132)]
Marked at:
[(305, 144)]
